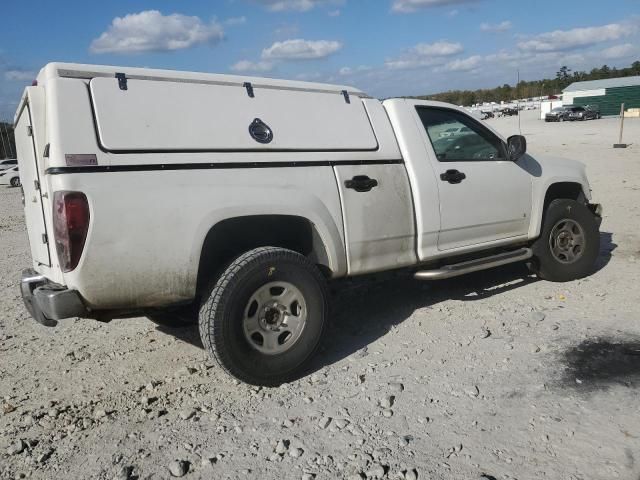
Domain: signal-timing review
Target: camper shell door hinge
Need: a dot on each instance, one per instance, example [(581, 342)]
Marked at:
[(122, 81), (249, 88)]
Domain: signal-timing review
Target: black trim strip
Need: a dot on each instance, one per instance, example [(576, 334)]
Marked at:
[(213, 166)]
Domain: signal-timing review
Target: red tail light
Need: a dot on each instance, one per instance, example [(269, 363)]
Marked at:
[(70, 227)]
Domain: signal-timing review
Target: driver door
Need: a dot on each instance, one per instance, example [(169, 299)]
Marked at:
[(484, 197)]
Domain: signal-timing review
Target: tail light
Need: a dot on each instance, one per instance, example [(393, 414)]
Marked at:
[(70, 226)]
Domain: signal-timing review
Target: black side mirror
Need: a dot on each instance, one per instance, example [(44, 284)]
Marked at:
[(516, 147)]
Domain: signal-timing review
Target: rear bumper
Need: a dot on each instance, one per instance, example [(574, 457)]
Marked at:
[(48, 302)]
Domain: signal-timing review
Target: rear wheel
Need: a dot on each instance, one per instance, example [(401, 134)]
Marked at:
[(265, 316), (569, 242), (15, 182)]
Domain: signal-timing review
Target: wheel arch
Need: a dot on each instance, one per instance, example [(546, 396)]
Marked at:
[(233, 236), (569, 189)]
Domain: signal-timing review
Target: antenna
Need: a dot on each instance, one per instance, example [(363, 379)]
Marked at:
[(518, 102)]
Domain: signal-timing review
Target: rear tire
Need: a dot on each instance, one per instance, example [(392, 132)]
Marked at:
[(15, 182), (265, 316), (569, 242)]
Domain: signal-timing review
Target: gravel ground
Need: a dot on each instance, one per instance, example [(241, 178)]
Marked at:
[(492, 376)]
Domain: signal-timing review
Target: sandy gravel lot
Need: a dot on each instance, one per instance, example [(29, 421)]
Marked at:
[(493, 376)]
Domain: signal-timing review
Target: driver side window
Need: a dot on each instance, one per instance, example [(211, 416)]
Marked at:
[(455, 137)]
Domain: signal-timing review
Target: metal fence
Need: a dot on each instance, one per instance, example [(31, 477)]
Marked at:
[(7, 141)]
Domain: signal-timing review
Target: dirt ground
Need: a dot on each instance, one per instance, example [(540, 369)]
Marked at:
[(497, 375)]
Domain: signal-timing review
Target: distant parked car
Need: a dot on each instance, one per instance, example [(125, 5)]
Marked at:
[(582, 113), (10, 176), (508, 112), (455, 131), (486, 115), (8, 163), (558, 114)]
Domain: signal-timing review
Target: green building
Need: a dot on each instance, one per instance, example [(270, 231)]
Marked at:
[(607, 94)]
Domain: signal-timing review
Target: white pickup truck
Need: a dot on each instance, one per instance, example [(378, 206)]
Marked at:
[(159, 193)]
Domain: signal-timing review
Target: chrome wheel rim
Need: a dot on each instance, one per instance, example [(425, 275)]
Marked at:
[(567, 241), (274, 317)]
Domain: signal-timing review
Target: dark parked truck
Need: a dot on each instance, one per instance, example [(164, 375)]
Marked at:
[(160, 193)]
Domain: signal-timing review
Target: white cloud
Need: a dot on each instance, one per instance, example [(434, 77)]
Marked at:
[(464, 64), (408, 6), (299, 49), (437, 49), (496, 28), (350, 71), (310, 76), (286, 31), (577, 37), (619, 51), (295, 5), (19, 75), (150, 30), (249, 66), (235, 21), (334, 13), (424, 55)]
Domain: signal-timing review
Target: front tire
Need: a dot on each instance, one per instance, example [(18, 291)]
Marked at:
[(265, 316), (15, 182), (569, 242)]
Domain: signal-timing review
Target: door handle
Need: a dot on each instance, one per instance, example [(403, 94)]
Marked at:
[(361, 183), (452, 176)]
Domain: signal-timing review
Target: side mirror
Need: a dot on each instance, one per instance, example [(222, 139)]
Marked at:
[(516, 147)]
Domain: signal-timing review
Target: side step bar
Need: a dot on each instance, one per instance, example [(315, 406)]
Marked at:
[(469, 266)]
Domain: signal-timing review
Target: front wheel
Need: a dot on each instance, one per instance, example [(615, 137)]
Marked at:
[(15, 182), (265, 316), (569, 242)]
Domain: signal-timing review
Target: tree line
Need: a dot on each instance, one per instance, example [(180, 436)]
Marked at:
[(535, 88), (7, 141)]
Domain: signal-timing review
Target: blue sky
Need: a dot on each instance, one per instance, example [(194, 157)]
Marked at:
[(385, 47)]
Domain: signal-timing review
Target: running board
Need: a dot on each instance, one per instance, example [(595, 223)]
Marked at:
[(456, 269)]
